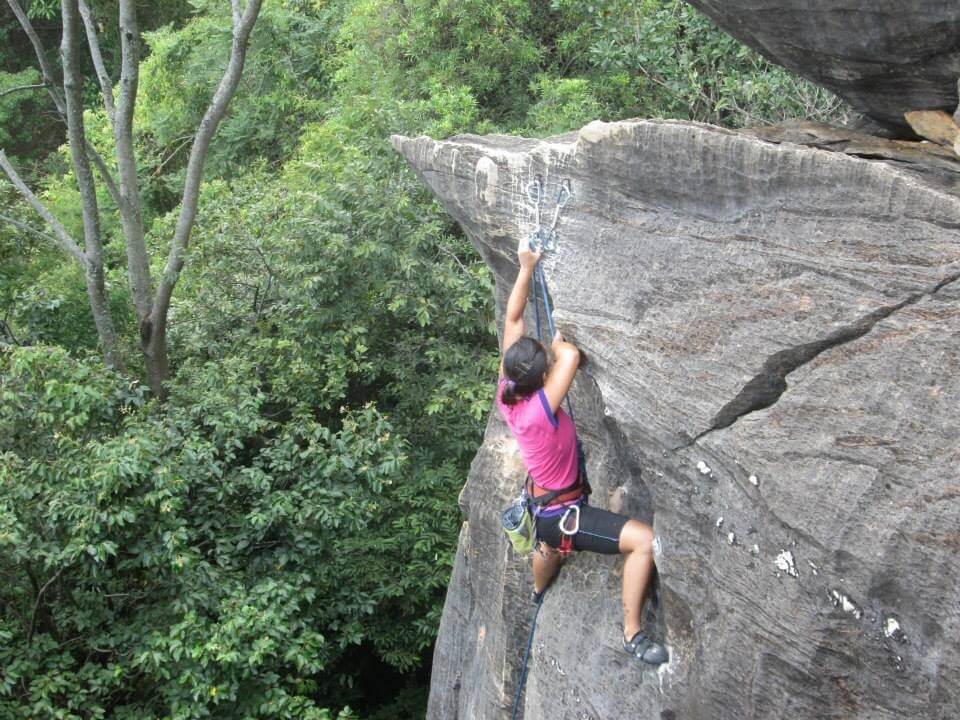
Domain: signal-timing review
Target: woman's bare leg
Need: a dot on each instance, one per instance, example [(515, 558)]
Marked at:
[(636, 544), (546, 562)]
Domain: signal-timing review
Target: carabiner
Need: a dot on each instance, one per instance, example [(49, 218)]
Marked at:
[(576, 524), (564, 192)]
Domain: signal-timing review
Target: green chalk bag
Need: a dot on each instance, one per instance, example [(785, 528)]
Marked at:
[(518, 525)]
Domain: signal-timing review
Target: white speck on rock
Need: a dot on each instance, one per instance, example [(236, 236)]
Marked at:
[(755, 550), (754, 481), (786, 563), (892, 629), (813, 567), (732, 539), (703, 468), (720, 521), (657, 547), (840, 600)]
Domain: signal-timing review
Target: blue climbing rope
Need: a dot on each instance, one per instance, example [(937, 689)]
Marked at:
[(526, 659), (542, 295)]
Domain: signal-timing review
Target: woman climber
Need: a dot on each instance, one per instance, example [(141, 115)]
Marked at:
[(529, 394)]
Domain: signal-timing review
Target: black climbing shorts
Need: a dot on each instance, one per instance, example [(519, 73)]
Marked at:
[(599, 531)]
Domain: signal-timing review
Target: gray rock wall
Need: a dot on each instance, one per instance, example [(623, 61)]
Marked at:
[(772, 378), (884, 57)]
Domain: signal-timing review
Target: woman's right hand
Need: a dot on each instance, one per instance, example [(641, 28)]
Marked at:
[(528, 258)]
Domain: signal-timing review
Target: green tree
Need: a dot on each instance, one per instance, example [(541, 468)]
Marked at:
[(151, 301)]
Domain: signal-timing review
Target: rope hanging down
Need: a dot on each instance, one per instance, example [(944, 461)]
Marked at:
[(526, 660)]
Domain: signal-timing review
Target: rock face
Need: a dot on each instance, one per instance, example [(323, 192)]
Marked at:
[(772, 379), (884, 57)]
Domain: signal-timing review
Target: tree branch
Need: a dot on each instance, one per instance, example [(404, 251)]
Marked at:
[(51, 82), (19, 88), (105, 174), (62, 238), (138, 260), (93, 244), (36, 604), (243, 25), (49, 77), (106, 86)]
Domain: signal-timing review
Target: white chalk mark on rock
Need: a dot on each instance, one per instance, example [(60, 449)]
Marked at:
[(842, 601), (786, 563), (703, 468), (892, 629), (485, 177), (754, 481)]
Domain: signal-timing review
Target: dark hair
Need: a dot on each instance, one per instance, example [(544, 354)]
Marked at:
[(524, 364)]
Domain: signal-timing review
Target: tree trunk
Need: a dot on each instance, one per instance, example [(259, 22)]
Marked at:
[(93, 248)]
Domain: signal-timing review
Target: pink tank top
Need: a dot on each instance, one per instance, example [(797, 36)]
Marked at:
[(547, 441)]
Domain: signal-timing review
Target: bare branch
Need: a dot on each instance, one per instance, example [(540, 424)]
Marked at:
[(20, 225), (50, 82), (6, 330), (138, 260), (36, 604), (73, 87), (49, 77), (19, 88), (105, 174), (106, 86), (62, 238), (198, 154), (93, 245), (186, 139)]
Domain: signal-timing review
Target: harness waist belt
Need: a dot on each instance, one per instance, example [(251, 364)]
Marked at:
[(542, 497)]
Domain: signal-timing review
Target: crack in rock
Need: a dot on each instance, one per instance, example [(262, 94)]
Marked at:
[(766, 387)]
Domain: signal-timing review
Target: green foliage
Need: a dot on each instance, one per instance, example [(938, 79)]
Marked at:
[(15, 106), (662, 58), (282, 81), (213, 554)]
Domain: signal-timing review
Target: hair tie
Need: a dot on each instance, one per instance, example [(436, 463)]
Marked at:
[(512, 384)]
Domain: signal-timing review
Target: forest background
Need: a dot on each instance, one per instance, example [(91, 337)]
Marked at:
[(274, 537)]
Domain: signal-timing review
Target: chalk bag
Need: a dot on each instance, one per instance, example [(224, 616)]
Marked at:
[(518, 525)]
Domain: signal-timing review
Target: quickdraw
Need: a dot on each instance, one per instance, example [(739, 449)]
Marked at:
[(545, 238)]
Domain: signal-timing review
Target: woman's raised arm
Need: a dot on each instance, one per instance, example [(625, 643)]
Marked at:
[(517, 303)]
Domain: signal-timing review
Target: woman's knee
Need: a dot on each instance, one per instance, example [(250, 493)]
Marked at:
[(636, 536), (545, 551)]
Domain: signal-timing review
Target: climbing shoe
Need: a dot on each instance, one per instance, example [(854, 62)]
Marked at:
[(537, 597), (643, 648)]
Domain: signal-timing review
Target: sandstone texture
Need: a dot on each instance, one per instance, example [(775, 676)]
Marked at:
[(772, 380), (884, 57)]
